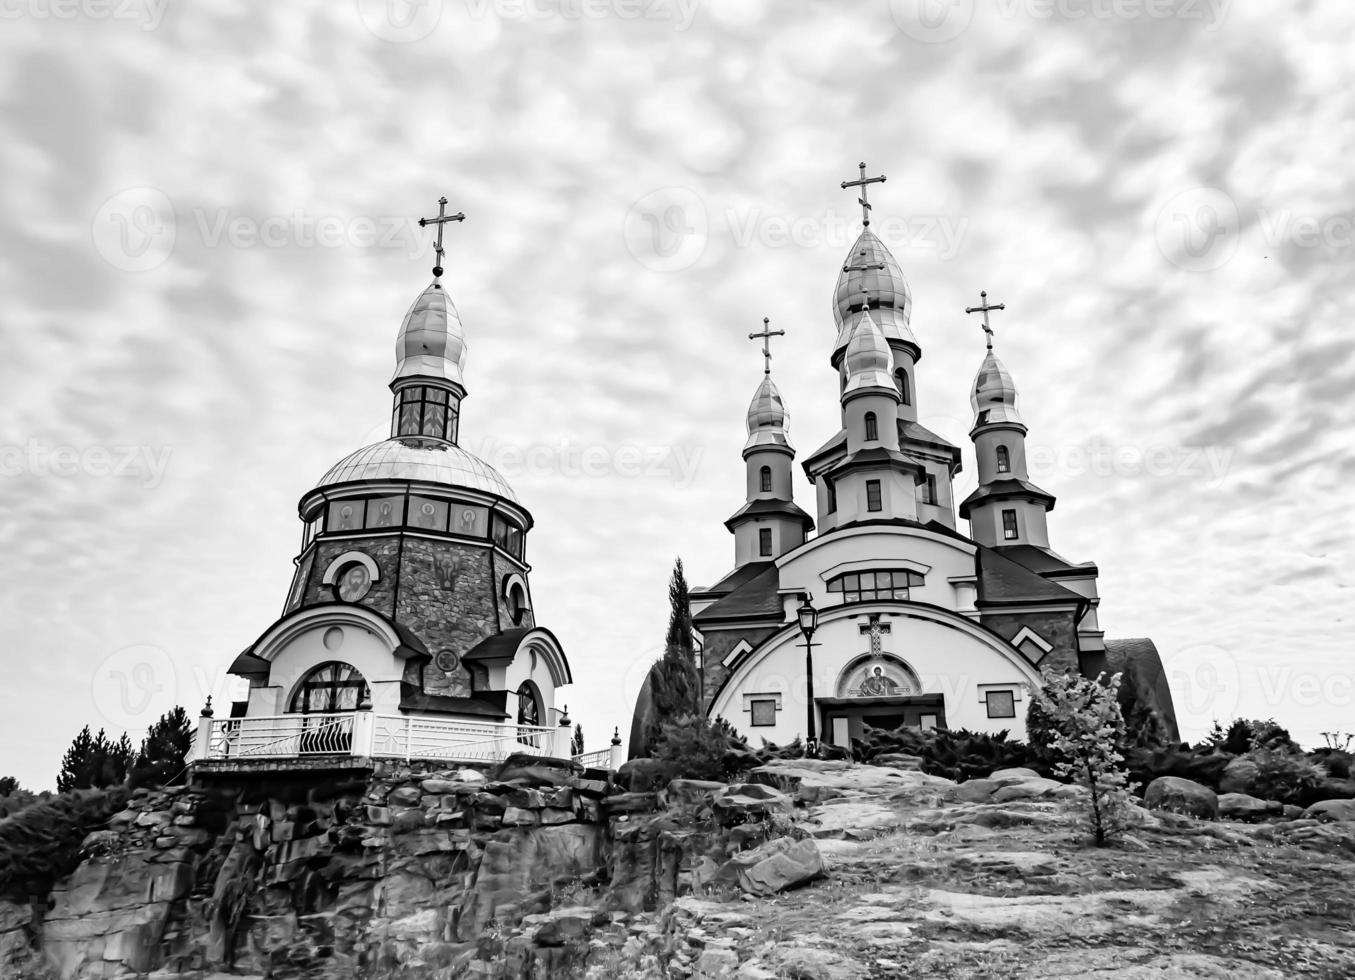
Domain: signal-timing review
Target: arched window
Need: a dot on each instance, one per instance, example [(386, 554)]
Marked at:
[(529, 704), (1004, 460), (901, 379), (872, 429), (517, 603), (765, 479), (333, 686)]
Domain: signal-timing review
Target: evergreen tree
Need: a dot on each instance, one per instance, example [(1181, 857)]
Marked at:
[(674, 682), (8, 784), (576, 743), (164, 750), (93, 761)]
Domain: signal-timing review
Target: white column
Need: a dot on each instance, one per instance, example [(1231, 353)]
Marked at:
[(364, 733)]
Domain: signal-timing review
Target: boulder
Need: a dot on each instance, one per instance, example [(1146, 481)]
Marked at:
[(774, 867), (976, 791), (645, 775), (1177, 795), (1240, 806), (1239, 776), (1027, 789), (1335, 789), (1332, 810), (748, 801), (898, 760), (1004, 777)]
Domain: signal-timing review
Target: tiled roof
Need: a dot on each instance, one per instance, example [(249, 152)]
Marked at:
[(755, 598), (776, 507), (1007, 490), (1042, 561), (1004, 582), (1139, 656)]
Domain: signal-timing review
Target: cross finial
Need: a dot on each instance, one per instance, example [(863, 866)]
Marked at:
[(767, 334), (442, 218), (983, 308), (863, 183)]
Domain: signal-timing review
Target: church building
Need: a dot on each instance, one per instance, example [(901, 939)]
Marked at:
[(409, 628), (891, 613)]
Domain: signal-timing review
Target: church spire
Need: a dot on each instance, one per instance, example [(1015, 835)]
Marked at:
[(769, 524), (1006, 508), (430, 356)]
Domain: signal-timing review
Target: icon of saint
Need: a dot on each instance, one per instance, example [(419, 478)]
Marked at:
[(877, 685)]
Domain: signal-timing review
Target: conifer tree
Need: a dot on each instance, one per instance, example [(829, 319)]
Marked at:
[(164, 750)]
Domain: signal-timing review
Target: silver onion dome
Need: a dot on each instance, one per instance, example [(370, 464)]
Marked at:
[(767, 417), (868, 363), (431, 342), (891, 301), (994, 397)]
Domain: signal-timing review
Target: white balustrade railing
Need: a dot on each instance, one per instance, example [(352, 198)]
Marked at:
[(371, 735), (601, 759)]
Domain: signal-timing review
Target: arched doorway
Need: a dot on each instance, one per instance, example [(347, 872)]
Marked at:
[(530, 713), (880, 691)]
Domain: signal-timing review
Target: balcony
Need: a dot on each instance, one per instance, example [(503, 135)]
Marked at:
[(350, 739)]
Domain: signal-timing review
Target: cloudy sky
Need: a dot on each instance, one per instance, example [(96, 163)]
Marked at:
[(208, 246)]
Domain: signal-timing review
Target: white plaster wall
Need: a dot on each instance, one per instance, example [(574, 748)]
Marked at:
[(361, 647), (520, 670), (950, 655), (875, 548)]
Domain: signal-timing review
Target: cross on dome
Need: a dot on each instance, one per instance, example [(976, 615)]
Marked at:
[(863, 183), (442, 218), (983, 308), (766, 334)]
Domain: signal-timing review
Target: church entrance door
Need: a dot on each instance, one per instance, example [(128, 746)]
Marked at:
[(847, 718)]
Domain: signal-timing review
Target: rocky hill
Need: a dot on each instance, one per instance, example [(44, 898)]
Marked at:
[(807, 870)]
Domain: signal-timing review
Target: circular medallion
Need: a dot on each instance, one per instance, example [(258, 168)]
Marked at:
[(354, 582), (446, 661)]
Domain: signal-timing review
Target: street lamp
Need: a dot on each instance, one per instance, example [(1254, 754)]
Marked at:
[(809, 622)]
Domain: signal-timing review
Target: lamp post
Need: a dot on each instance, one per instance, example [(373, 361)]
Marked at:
[(809, 622)]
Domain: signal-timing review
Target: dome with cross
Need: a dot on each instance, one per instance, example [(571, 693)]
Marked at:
[(872, 271)]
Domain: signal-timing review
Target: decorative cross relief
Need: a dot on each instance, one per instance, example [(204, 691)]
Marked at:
[(875, 628)]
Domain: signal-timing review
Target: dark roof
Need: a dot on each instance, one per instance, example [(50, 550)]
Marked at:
[(779, 508), (1007, 490), (485, 704), (755, 598), (497, 646), (873, 457), (836, 444), (1004, 582), (1139, 660), (934, 526), (1042, 561), (735, 579), (910, 431)]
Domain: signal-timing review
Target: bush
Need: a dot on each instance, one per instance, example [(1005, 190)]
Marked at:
[(1245, 734), (1201, 764), (1085, 732), (956, 754), (40, 844), (1336, 761), (1285, 776), (693, 746)]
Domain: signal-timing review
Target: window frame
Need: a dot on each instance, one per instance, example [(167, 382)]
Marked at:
[(901, 382), (872, 427), (874, 497), (1004, 459), (764, 542), (765, 480), (753, 704), (1011, 528), (852, 586), (988, 702)]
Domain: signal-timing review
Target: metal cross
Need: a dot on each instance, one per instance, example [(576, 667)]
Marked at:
[(766, 335), (983, 308), (442, 218), (863, 183), (864, 266), (875, 628)]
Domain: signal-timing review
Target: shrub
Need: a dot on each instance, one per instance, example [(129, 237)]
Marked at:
[(957, 754), (1201, 764), (1245, 734), (695, 747), (1085, 732), (1284, 776), (1336, 761), (40, 844)]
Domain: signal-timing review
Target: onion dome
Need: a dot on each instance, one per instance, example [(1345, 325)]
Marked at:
[(767, 418), (994, 398), (431, 342), (868, 362), (871, 270), (423, 460)]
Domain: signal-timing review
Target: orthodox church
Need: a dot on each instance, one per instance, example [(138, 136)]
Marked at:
[(411, 594), (890, 614)]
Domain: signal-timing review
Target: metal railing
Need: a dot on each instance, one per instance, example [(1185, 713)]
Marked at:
[(601, 759), (281, 736), (411, 737)]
